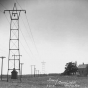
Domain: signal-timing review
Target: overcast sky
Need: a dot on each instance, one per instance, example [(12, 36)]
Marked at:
[(59, 29)]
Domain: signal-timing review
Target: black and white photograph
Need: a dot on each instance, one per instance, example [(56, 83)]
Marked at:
[(43, 43)]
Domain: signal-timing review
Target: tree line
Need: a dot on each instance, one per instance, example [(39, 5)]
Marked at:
[(70, 68)]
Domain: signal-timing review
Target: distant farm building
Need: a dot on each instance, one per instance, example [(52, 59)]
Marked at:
[(83, 70)]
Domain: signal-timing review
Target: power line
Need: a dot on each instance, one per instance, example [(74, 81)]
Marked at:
[(18, 4), (25, 26), (26, 43), (1, 11), (25, 40), (3, 6), (32, 35), (7, 18), (30, 30), (29, 36), (3, 50), (24, 48)]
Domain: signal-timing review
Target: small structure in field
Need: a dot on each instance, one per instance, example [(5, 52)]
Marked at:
[(83, 69), (14, 74)]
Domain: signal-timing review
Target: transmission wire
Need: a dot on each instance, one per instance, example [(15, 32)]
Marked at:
[(22, 33), (26, 42), (32, 36), (30, 30)]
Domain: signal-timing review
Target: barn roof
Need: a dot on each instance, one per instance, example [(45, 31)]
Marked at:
[(82, 65)]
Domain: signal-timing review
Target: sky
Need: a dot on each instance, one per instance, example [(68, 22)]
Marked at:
[(53, 31)]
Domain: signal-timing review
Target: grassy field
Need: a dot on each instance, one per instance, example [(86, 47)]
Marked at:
[(47, 82)]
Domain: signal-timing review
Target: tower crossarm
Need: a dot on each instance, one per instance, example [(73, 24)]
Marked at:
[(14, 12), (14, 9)]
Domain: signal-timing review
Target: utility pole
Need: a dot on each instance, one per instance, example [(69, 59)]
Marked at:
[(37, 72), (16, 59), (21, 69), (33, 69), (2, 66), (14, 38)]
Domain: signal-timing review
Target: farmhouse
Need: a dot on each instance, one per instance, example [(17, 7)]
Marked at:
[(83, 69)]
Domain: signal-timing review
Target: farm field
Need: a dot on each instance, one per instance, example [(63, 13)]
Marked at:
[(47, 82)]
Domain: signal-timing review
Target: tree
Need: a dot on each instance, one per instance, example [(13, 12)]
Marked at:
[(70, 68)]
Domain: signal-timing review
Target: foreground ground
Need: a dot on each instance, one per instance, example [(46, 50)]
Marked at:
[(47, 82)]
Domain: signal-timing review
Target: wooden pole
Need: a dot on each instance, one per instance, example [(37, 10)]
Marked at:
[(2, 66)]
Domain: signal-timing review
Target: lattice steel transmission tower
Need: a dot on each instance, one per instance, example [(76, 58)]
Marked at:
[(43, 67), (14, 52)]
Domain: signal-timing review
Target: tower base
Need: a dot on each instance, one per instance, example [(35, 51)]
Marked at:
[(14, 74)]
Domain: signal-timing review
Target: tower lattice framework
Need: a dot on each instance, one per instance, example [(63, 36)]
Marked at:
[(14, 52)]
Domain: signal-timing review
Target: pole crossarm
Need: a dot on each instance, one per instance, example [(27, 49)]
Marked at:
[(16, 55), (2, 57), (16, 59)]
